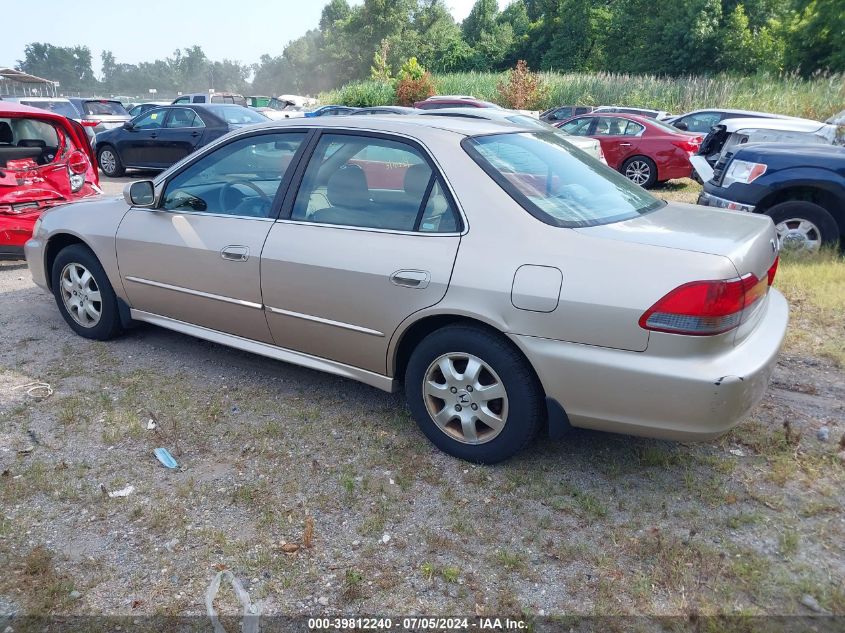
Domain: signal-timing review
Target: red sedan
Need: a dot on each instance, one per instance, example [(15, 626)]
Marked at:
[(645, 150), (45, 160)]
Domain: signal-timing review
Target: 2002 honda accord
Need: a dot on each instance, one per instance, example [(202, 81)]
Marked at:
[(508, 279)]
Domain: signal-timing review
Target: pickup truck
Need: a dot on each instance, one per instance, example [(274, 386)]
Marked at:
[(801, 187)]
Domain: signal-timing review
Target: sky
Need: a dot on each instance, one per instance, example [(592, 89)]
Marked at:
[(153, 29)]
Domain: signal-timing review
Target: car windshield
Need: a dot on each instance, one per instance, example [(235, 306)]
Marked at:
[(65, 108), (556, 182), (104, 108), (236, 115)]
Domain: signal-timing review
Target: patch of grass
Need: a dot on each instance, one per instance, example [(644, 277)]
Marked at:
[(788, 542), (450, 574), (74, 410), (815, 288), (352, 582), (45, 590), (511, 561)]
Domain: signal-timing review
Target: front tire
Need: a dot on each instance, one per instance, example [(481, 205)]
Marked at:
[(473, 394), (84, 294), (803, 226), (641, 171), (109, 161)]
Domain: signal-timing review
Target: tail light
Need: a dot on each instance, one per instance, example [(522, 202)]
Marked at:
[(77, 166), (705, 308), (688, 145), (89, 123)]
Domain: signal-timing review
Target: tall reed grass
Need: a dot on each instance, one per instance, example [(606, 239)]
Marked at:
[(816, 98)]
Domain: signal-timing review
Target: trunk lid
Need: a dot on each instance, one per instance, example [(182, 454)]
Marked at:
[(748, 240)]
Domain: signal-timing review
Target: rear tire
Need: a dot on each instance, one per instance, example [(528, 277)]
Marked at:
[(640, 170), (804, 226), (492, 402), (109, 161), (84, 294)]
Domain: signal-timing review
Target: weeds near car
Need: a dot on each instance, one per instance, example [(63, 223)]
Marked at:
[(814, 284)]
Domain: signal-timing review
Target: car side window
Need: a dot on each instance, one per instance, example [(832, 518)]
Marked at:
[(199, 99), (153, 120), (632, 128), (182, 100), (240, 178), (373, 183), (183, 117), (578, 127), (608, 126), (701, 122)]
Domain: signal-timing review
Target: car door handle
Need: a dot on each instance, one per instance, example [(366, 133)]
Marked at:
[(153, 135), (411, 278), (235, 253), (195, 133), (624, 145)]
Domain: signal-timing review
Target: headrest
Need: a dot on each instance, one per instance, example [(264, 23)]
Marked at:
[(347, 187), (416, 180)]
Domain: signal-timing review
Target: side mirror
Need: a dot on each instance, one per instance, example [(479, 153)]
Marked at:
[(128, 125), (681, 126), (140, 194)]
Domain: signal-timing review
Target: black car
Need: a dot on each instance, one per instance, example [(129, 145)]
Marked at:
[(164, 135), (801, 187), (564, 112)]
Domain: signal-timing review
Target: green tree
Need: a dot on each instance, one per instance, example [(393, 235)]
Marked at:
[(816, 39), (69, 65), (481, 19)]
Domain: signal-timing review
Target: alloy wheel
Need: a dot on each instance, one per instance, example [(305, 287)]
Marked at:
[(108, 161), (798, 234), (81, 295), (638, 171), (465, 398)]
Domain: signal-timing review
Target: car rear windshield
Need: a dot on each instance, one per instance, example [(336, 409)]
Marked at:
[(556, 182), (235, 114), (65, 108), (104, 108)]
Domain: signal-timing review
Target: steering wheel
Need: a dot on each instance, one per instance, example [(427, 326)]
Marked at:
[(231, 185)]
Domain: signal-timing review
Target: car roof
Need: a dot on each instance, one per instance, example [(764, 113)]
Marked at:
[(743, 113), (10, 99), (415, 125), (11, 108), (788, 125)]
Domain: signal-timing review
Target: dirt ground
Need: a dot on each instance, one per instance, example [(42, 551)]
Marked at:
[(321, 495)]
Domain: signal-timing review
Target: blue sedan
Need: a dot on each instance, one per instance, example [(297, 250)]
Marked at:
[(331, 110)]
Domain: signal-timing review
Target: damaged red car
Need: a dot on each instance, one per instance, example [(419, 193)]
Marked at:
[(45, 160)]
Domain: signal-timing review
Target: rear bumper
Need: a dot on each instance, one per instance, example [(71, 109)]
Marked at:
[(694, 397), (15, 230)]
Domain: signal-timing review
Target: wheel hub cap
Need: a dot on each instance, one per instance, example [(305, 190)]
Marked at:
[(81, 295), (798, 234), (638, 172), (465, 398)]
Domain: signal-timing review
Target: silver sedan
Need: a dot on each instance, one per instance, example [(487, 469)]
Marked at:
[(511, 284)]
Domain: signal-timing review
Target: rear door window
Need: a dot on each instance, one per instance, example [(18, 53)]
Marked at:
[(183, 117), (373, 183)]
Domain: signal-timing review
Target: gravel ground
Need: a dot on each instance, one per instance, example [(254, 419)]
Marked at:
[(321, 495)]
